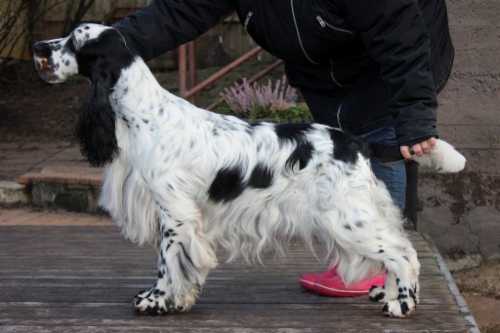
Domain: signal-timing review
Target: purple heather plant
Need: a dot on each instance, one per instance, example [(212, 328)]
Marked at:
[(245, 98)]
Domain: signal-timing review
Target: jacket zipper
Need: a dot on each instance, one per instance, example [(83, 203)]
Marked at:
[(298, 35), (247, 19), (325, 24), (332, 75), (339, 111)]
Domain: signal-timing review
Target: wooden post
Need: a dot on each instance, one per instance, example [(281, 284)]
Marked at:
[(223, 72), (192, 64), (183, 71)]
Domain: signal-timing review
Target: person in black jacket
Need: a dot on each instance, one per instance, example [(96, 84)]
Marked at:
[(370, 67)]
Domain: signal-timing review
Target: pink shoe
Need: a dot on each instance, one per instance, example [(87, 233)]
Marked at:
[(330, 284)]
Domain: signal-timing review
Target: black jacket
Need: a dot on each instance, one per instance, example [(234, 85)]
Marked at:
[(384, 59)]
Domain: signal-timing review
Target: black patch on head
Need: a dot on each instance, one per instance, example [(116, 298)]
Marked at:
[(102, 61), (302, 155), (291, 131), (227, 185), (347, 147), (261, 177)]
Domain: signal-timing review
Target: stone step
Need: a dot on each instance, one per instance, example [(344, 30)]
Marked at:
[(72, 187), (13, 194)]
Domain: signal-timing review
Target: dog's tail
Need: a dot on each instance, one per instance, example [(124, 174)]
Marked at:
[(444, 158)]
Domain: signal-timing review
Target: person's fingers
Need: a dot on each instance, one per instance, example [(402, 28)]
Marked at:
[(432, 142), (426, 147), (405, 151), (417, 149)]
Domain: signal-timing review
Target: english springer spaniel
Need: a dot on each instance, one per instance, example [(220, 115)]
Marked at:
[(187, 180)]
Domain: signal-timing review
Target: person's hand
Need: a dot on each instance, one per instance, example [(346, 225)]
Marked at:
[(418, 149)]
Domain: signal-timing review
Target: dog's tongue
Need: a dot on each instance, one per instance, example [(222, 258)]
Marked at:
[(44, 64)]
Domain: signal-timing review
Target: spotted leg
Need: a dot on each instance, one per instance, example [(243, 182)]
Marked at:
[(386, 293), (185, 258)]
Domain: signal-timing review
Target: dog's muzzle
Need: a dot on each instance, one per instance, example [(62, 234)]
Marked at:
[(43, 64)]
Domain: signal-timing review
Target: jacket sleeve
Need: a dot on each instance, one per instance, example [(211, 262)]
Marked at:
[(166, 24), (396, 37)]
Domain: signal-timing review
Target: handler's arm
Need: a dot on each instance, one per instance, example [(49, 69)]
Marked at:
[(166, 24), (396, 37)]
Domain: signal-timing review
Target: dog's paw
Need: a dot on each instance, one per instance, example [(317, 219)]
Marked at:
[(153, 302), (158, 302), (399, 308), (377, 294)]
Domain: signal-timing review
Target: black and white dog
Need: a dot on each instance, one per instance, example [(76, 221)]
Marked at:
[(187, 180)]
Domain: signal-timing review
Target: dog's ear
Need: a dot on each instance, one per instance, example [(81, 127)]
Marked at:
[(96, 126)]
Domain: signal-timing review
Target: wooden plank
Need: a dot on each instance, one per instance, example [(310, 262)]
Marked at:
[(82, 279), (146, 329), (237, 315)]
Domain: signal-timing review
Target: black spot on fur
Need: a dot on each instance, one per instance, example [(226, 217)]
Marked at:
[(404, 308), (261, 177), (291, 131), (359, 224), (385, 309), (347, 226), (378, 297), (381, 251), (347, 147), (227, 185), (301, 155), (186, 255), (412, 295)]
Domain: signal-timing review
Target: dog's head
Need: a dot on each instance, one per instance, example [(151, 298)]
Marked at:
[(87, 50), (100, 53)]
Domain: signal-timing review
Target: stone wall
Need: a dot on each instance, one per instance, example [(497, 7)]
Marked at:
[(462, 212)]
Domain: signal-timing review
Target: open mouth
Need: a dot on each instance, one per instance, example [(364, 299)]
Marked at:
[(45, 69)]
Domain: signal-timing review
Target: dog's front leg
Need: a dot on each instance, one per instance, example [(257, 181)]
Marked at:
[(185, 258)]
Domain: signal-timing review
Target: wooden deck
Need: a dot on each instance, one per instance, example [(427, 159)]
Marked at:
[(82, 279)]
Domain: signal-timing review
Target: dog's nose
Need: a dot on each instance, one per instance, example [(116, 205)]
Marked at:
[(41, 49)]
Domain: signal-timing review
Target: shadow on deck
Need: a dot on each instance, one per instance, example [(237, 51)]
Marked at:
[(83, 279)]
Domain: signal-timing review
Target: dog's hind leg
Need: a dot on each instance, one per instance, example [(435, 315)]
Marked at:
[(369, 230), (398, 257), (185, 259)]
